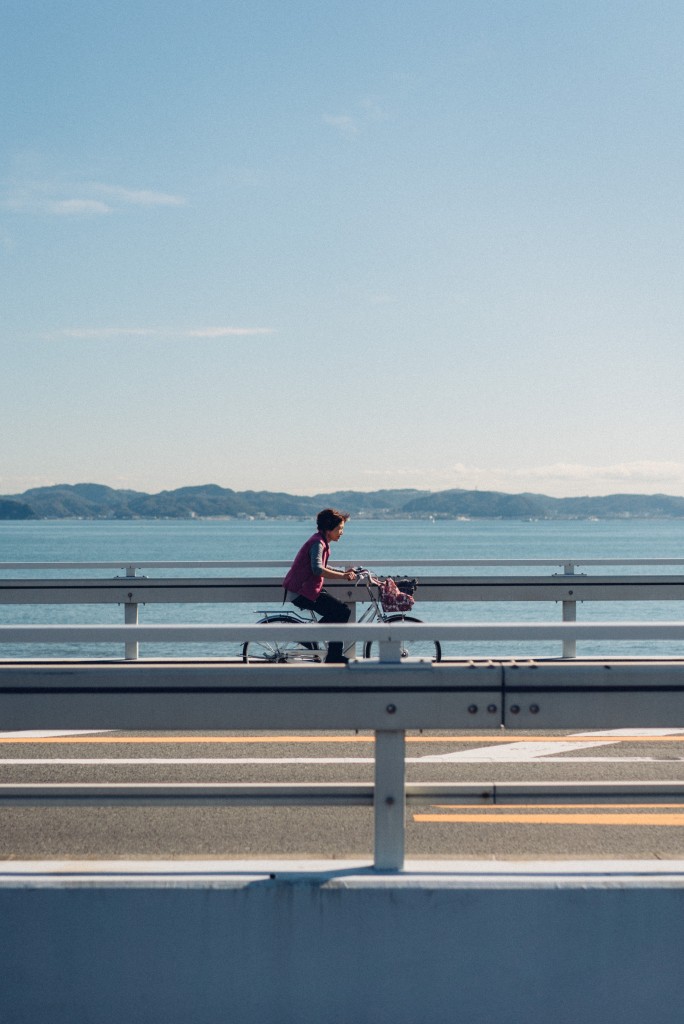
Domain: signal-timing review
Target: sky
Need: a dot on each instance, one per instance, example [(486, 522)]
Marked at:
[(311, 245)]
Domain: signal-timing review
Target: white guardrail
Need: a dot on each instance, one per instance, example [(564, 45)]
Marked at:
[(389, 636), (132, 567), (567, 588), (387, 695)]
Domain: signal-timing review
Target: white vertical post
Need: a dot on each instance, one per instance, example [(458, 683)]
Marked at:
[(131, 619), (569, 615), (389, 650), (390, 799), (350, 651)]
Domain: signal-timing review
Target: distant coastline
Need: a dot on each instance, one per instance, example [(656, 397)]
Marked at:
[(209, 501)]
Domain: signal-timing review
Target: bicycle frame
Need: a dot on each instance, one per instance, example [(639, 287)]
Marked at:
[(375, 609), (373, 612), (277, 613)]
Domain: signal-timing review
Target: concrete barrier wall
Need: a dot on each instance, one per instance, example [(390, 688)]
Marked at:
[(520, 945)]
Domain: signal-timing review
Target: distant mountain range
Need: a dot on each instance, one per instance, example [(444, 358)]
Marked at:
[(95, 501)]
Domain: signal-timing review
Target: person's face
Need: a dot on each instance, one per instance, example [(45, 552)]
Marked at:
[(336, 533)]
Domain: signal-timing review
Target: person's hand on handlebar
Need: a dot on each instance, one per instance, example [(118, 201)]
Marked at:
[(363, 575), (339, 574)]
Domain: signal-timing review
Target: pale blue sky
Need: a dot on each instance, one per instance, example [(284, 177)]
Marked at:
[(308, 245)]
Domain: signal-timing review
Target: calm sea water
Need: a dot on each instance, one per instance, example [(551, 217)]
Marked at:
[(206, 540)]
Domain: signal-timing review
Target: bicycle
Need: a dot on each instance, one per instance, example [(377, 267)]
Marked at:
[(314, 651), (280, 652)]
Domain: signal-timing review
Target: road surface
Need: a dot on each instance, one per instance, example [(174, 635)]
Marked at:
[(443, 831)]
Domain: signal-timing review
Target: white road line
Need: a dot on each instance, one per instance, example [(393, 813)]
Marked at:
[(555, 760), (501, 753), (182, 761), (143, 761), (511, 752), (645, 733), (37, 734), (525, 751)]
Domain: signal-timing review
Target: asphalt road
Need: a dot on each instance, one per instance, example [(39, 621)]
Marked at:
[(452, 831)]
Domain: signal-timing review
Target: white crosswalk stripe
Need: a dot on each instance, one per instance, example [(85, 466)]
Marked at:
[(509, 753)]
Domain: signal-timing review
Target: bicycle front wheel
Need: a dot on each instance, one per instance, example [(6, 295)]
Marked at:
[(282, 652), (409, 648)]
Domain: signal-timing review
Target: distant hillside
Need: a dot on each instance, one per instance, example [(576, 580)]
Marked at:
[(481, 505), (10, 509), (96, 501)]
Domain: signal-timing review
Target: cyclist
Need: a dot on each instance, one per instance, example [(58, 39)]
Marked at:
[(304, 582)]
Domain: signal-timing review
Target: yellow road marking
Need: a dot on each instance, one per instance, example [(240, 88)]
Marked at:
[(187, 739), (516, 738), (654, 820), (507, 807)]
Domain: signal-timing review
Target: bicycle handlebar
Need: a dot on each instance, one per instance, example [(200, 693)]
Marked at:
[(364, 575)]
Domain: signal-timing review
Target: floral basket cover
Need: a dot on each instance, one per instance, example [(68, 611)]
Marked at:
[(394, 599)]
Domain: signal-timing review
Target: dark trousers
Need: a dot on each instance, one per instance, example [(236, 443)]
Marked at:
[(330, 610)]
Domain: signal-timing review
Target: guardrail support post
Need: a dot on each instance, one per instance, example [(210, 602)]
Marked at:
[(350, 651), (390, 799), (569, 615), (131, 619)]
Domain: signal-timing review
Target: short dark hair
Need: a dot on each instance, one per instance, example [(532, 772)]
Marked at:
[(329, 518)]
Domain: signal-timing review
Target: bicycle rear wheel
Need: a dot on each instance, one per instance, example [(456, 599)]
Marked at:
[(282, 652), (409, 648)]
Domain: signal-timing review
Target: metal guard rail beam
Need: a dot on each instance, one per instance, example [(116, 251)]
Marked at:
[(384, 633), (327, 794), (130, 594), (131, 566), (220, 590)]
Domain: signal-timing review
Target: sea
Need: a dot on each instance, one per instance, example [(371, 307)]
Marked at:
[(144, 541)]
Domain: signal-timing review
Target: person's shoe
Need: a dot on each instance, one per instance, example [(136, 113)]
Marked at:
[(336, 659)]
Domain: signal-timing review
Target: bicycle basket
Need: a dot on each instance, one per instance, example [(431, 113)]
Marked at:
[(393, 599), (406, 585)]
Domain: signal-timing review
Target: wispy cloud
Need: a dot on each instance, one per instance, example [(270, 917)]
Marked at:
[(69, 207), (652, 472), (171, 333), (227, 332), (136, 197), (90, 198), (345, 123), (559, 478), (362, 116)]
